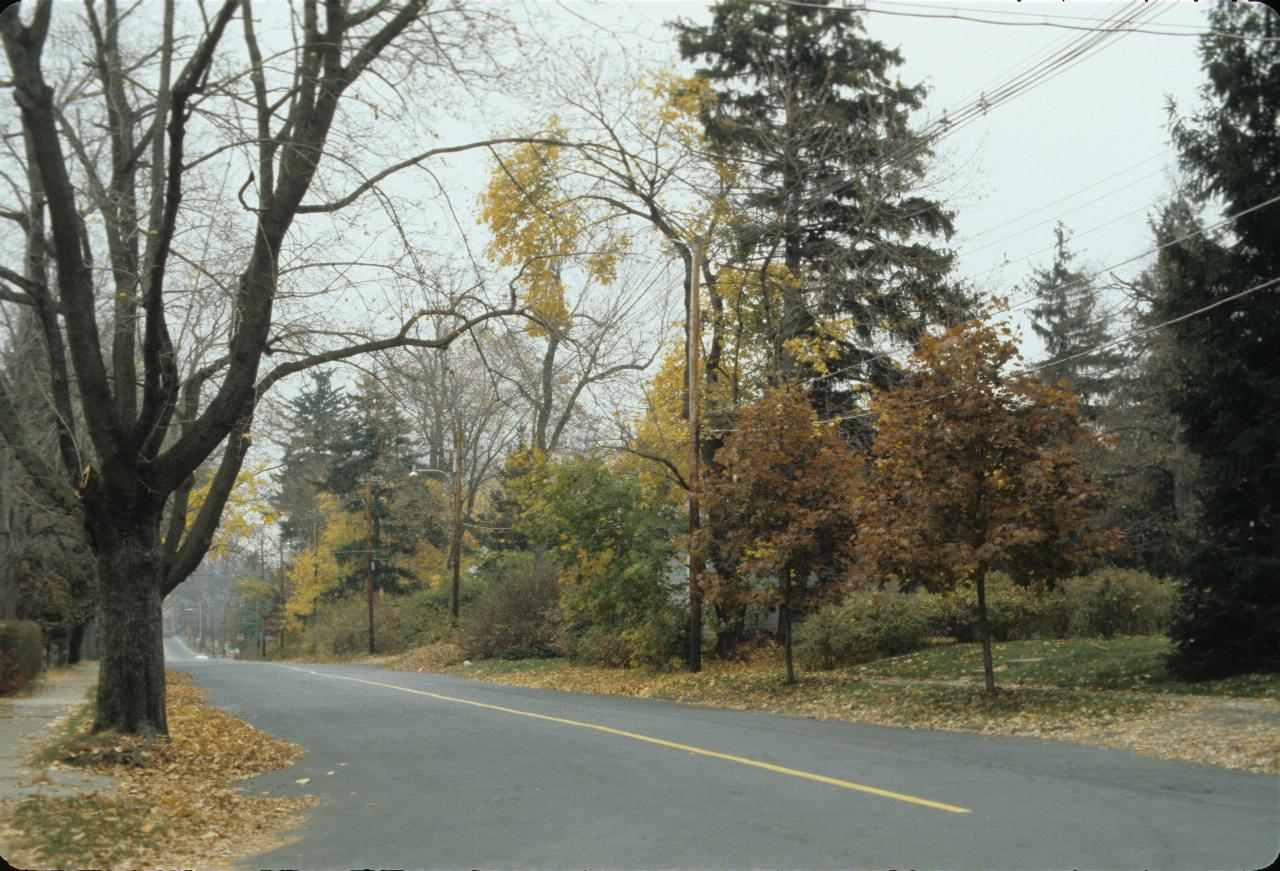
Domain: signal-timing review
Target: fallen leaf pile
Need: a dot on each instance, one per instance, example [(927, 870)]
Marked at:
[(1212, 730), (430, 657), (174, 803)]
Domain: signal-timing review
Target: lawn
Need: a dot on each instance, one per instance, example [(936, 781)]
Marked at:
[(1135, 663)]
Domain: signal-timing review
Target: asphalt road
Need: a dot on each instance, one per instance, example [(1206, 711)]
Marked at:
[(427, 771)]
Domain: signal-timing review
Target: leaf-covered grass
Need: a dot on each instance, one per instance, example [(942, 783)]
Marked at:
[(75, 734), (70, 826), (173, 803), (1107, 693), (1088, 663), (489, 667), (758, 685)]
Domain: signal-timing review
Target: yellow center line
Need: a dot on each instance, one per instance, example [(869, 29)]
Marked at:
[(622, 733)]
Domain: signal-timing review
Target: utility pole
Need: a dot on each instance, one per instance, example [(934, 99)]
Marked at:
[(455, 554), (368, 575), (695, 461), (262, 576), (284, 589)]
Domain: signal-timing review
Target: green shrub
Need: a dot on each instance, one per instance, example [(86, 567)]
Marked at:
[(866, 627), (427, 617), (341, 628), (610, 533), (656, 643), (518, 616), (1114, 601), (1014, 612)]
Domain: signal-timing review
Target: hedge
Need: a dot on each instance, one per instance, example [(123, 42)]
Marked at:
[(872, 625), (21, 653)]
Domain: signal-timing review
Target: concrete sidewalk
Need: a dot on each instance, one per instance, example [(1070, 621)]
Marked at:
[(29, 718)]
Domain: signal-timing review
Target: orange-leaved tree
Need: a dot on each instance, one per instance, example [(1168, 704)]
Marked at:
[(975, 469), (783, 499)]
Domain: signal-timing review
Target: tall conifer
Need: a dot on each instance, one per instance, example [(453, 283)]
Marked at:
[(810, 110), (1227, 393)]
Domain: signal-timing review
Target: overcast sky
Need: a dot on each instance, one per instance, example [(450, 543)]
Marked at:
[(1088, 145)]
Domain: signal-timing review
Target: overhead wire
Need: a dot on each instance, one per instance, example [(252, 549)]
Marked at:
[(1271, 282), (1007, 88), (958, 15), (1074, 193), (1013, 84), (1010, 85), (1083, 280)]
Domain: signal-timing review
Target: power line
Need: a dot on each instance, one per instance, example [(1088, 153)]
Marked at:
[(1083, 280), (1271, 282), (1136, 333), (1098, 183), (957, 15), (1009, 87), (1073, 209)]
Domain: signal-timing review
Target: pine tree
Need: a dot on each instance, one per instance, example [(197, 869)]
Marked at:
[(1227, 392), (372, 458), (1067, 320), (314, 419), (810, 111), (496, 528), (1148, 471)]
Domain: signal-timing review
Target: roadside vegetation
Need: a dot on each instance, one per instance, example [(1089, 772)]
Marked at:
[(174, 802)]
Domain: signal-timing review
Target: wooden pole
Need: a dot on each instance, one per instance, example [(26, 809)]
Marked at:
[(368, 575), (455, 549), (695, 461)]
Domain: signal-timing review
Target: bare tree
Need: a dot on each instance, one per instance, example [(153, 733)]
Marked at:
[(133, 166), (560, 375)]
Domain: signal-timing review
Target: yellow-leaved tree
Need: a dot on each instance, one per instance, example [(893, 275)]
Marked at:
[(542, 230), (315, 573), (248, 509)]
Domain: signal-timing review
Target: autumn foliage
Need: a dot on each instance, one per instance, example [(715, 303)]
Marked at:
[(975, 469), (785, 497)]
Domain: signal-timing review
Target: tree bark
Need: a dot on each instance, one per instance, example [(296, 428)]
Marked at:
[(131, 685), (984, 634), (75, 644), (784, 623)]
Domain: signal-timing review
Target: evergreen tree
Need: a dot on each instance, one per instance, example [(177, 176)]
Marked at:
[(809, 109), (1068, 322), (1227, 392), (372, 458), (314, 419), (497, 526), (1148, 471)]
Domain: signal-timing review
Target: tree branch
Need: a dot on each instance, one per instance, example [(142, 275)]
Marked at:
[(45, 476), (418, 158)]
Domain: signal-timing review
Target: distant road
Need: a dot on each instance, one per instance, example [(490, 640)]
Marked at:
[(176, 650), (428, 771)]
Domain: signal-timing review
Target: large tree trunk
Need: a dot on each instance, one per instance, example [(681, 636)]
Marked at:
[(984, 635), (131, 674)]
